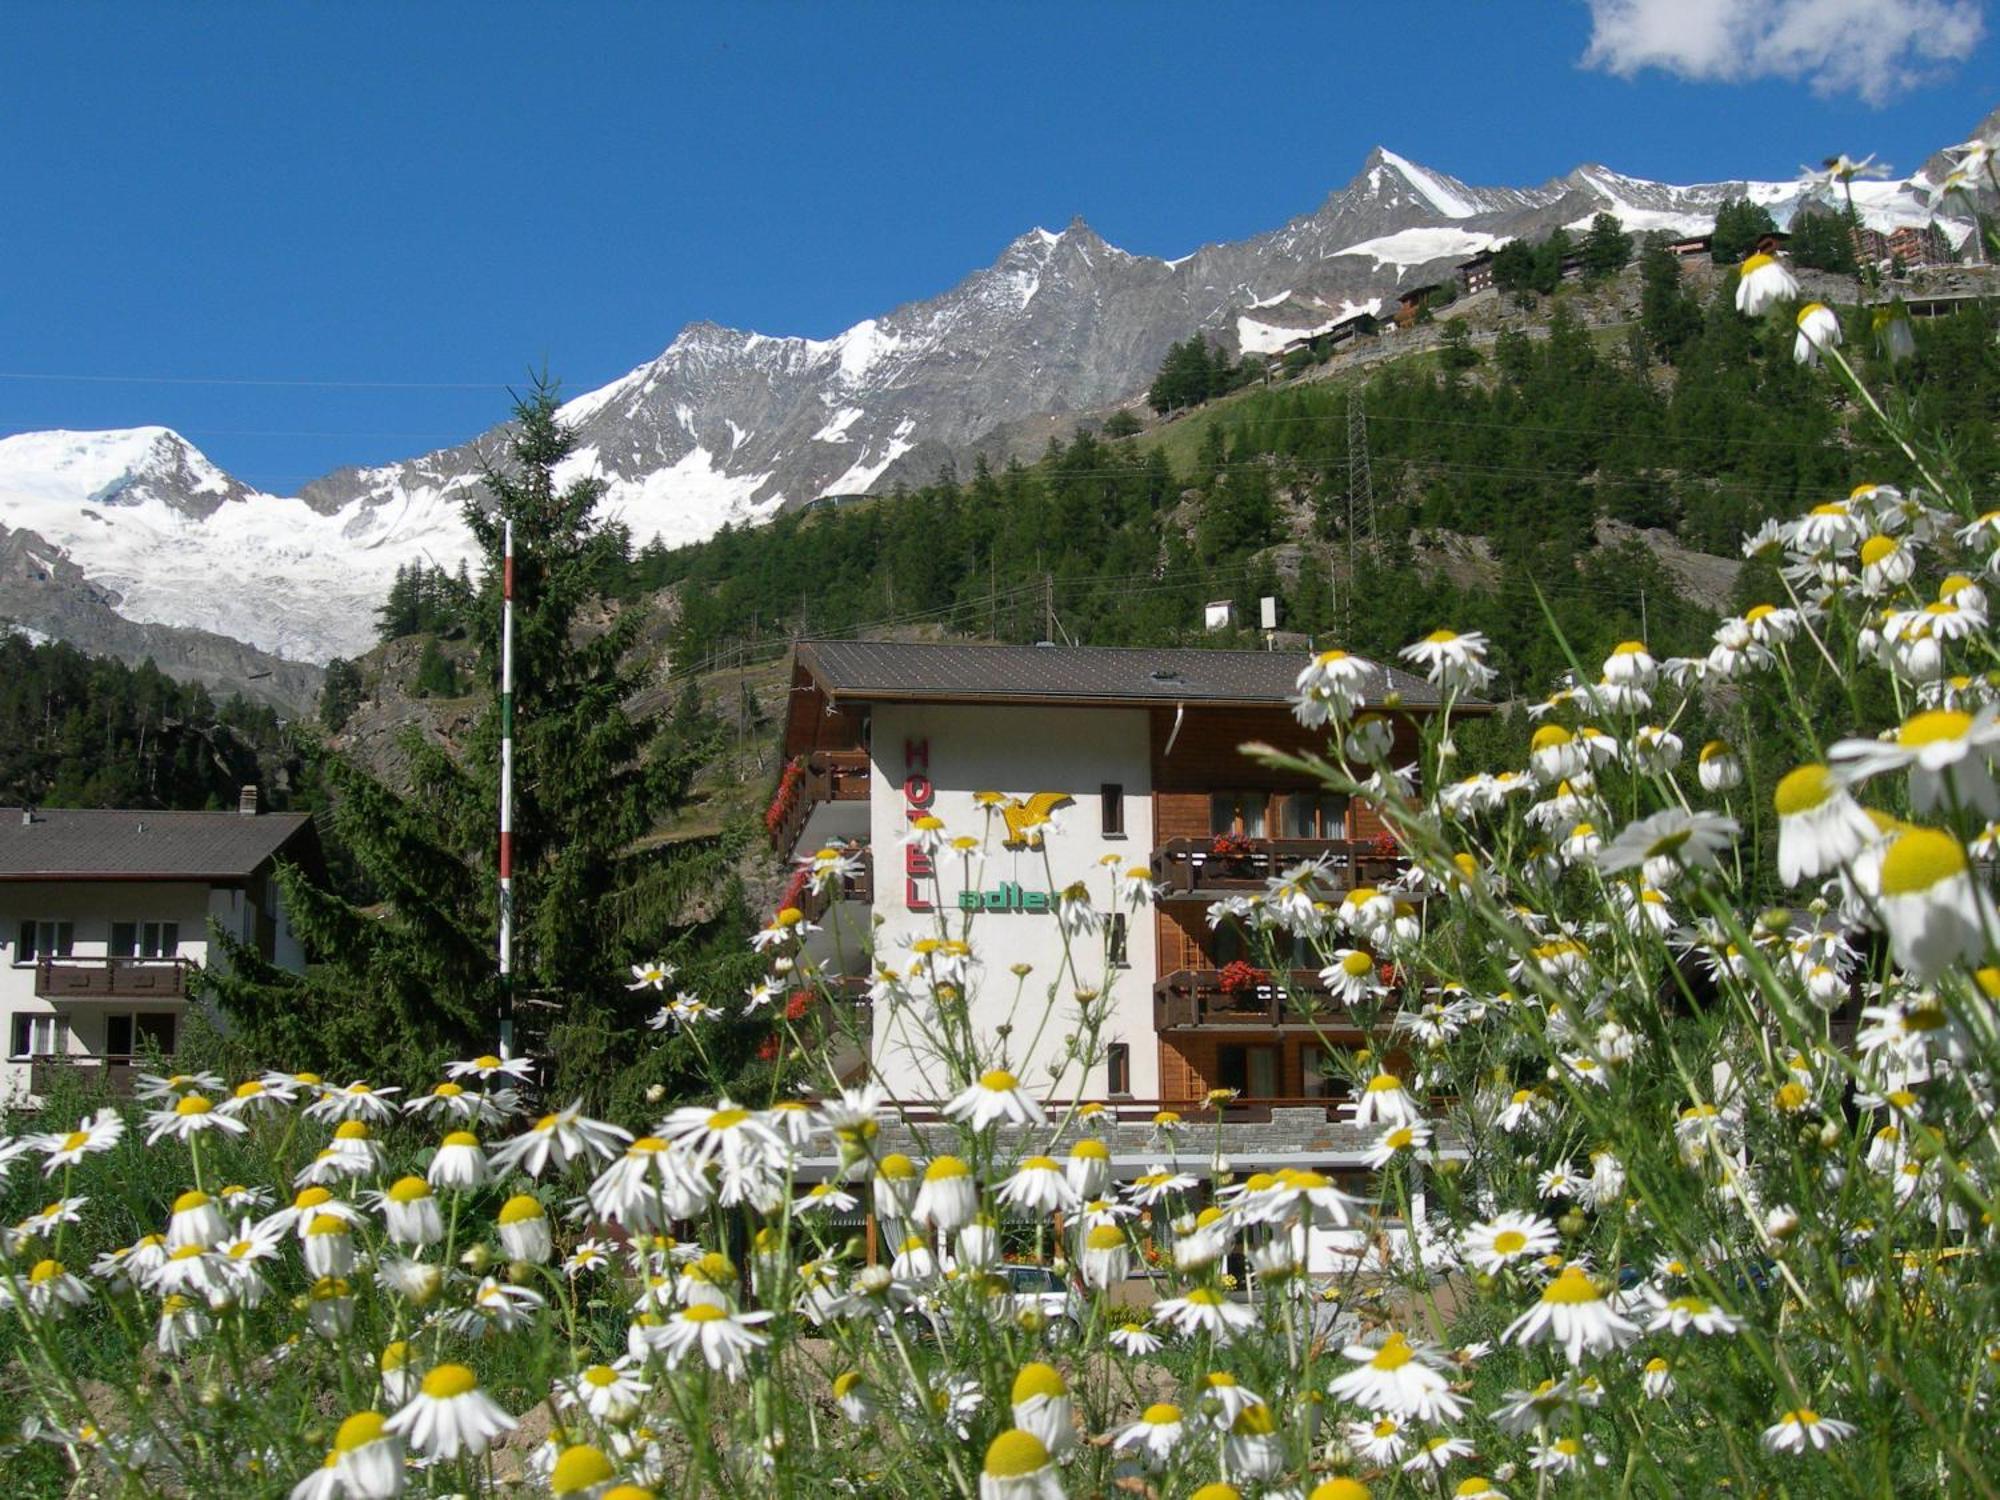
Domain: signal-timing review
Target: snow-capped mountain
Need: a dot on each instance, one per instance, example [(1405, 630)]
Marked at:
[(728, 427)]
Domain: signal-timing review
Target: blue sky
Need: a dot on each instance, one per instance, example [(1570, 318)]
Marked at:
[(437, 195)]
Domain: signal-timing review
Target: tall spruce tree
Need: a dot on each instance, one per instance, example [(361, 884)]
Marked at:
[(399, 987)]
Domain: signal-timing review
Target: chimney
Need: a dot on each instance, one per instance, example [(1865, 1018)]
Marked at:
[(27, 817), (246, 802)]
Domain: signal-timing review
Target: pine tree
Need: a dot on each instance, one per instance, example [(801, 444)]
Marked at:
[(1607, 247), (400, 988), (339, 694), (1739, 224)]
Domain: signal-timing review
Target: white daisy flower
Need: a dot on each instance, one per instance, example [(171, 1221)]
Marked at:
[(1154, 1437), (557, 1139), (450, 1416), (1400, 1378), (1505, 1239), (1819, 330), (1018, 1467), (190, 1115), (995, 1096), (1762, 281), (1205, 1310), (1820, 827), (722, 1338), (1692, 1312), (1573, 1312), (1804, 1428), (1936, 912)]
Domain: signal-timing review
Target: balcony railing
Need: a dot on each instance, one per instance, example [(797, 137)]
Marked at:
[(827, 776), (1187, 867), (114, 978), (115, 1074), (1196, 997)]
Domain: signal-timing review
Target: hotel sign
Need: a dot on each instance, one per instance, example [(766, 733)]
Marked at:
[(918, 795), (1010, 897)]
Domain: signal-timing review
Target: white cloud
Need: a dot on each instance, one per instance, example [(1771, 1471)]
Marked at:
[(1873, 48)]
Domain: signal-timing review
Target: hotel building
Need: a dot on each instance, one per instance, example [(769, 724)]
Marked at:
[(1142, 748)]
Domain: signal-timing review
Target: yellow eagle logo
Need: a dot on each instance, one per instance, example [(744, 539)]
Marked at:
[(1026, 817)]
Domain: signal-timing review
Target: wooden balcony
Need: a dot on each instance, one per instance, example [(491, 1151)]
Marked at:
[(1189, 998), (65, 979), (826, 776), (114, 1075), (1190, 869)]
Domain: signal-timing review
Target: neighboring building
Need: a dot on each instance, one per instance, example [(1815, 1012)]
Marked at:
[(1411, 303), (1141, 746), (1476, 275), (104, 926), (1912, 246), (1693, 247)]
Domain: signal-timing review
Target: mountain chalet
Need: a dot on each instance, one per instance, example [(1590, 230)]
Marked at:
[(104, 928), (1138, 751)]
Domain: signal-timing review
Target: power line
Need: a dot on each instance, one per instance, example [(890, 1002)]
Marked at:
[(236, 380)]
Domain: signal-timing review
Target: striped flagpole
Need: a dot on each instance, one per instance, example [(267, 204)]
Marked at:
[(507, 794)]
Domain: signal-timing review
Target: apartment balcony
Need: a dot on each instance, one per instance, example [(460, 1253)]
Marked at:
[(1207, 869), (70, 979), (815, 902), (114, 1075), (823, 794), (1296, 1000)]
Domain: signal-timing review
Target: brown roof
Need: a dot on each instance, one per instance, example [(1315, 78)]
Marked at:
[(886, 671), (76, 844)]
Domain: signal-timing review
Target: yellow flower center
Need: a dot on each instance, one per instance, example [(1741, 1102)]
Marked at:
[(1803, 790), (1104, 1237), (189, 1201), (520, 1209), (409, 1190), (579, 1468), (191, 1104), (946, 1169), (1509, 1242), (350, 1130), (703, 1312), (359, 1430), (1921, 859), (461, 1138), (1572, 1288), (45, 1271), (1160, 1413), (449, 1381), (1015, 1455), (727, 1119), (1932, 726), (1038, 1379), (1394, 1353)]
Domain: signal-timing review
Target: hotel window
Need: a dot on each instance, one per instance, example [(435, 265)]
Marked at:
[(145, 939), (1116, 944), (34, 1036), (1226, 945), (1320, 1076), (1238, 812), (1111, 800), (1118, 1068), (1251, 1071), (43, 940), (1315, 815)]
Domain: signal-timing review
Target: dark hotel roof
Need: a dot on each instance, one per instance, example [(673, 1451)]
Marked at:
[(882, 671), (63, 843)]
